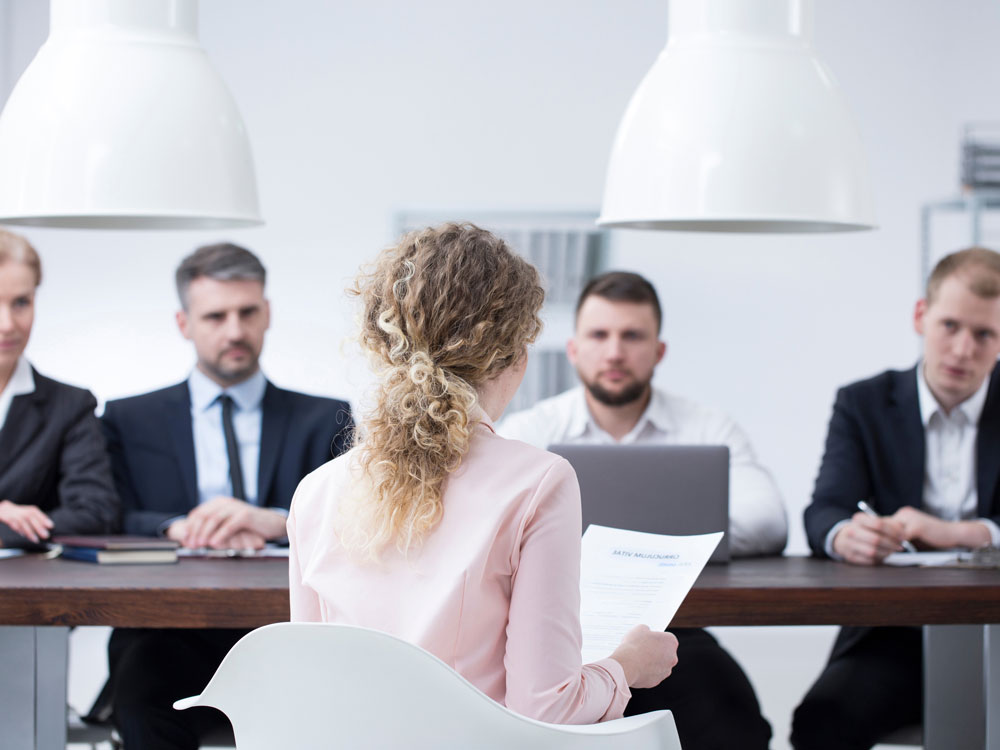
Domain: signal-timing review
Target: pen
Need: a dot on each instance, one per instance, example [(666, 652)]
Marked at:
[(866, 508)]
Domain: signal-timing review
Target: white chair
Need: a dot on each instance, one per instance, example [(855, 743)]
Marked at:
[(310, 686)]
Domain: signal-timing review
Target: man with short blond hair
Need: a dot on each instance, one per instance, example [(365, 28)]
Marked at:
[(922, 448), (979, 267)]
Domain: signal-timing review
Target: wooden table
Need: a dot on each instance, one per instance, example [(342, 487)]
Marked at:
[(40, 598), (194, 593), (248, 593), (807, 591)]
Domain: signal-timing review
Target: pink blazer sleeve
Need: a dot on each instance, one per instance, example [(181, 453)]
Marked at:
[(545, 678)]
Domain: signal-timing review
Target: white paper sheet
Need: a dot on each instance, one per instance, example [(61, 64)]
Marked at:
[(268, 551), (929, 558), (630, 578)]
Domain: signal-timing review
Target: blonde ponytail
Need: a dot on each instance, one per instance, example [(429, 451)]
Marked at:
[(445, 310)]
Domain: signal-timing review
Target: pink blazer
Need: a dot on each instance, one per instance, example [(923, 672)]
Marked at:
[(494, 590)]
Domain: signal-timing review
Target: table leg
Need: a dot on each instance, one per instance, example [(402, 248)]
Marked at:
[(953, 687), (51, 666), (33, 687), (991, 684)]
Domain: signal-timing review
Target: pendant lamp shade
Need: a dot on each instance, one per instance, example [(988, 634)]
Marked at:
[(738, 127), (120, 122)]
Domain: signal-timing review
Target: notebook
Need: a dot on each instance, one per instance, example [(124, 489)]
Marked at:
[(117, 550), (662, 489)]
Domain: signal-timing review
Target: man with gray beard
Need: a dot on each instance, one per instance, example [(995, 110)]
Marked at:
[(211, 463)]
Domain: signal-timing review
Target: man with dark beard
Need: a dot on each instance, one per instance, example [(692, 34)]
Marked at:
[(615, 349)]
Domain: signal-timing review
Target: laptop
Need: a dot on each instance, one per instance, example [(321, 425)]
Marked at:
[(663, 489)]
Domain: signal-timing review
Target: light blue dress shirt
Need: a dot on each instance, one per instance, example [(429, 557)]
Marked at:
[(211, 459)]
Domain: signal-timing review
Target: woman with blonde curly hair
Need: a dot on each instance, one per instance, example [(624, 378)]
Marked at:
[(435, 529)]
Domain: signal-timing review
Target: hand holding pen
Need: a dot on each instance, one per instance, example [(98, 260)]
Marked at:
[(868, 510), (867, 539)]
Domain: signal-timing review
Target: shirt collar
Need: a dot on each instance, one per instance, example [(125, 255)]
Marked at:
[(247, 395), (971, 408), (657, 413), (22, 381)]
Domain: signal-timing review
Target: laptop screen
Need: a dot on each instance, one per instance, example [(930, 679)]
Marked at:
[(663, 489)]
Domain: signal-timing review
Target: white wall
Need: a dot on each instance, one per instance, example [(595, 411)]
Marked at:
[(356, 110)]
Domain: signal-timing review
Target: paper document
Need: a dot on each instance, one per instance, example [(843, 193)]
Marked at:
[(630, 578), (268, 551), (928, 558)]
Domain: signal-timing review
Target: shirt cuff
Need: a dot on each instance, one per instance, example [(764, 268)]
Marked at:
[(828, 544), (161, 530), (994, 531)]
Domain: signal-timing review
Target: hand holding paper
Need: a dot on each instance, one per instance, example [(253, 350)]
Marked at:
[(630, 578), (647, 656)]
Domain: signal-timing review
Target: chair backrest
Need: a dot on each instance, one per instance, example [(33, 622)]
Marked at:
[(310, 686)]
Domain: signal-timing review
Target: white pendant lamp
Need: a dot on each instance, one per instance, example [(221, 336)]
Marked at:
[(120, 122), (738, 127)]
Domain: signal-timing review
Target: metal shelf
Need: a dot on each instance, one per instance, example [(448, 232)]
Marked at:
[(974, 203)]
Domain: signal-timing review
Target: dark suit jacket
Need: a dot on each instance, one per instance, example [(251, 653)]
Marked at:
[(875, 452), (52, 455), (151, 444)]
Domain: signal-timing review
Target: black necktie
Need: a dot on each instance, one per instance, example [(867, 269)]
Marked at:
[(232, 447)]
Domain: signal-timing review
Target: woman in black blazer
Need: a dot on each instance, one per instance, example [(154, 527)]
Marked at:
[(54, 471)]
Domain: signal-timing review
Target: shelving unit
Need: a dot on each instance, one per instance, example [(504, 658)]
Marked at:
[(974, 204)]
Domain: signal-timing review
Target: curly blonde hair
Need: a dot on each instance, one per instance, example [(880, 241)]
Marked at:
[(444, 311)]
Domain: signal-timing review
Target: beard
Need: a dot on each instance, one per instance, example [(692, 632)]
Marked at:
[(231, 373), (627, 395)]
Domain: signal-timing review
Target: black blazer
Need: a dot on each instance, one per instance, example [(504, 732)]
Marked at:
[(151, 445), (875, 451), (52, 455)]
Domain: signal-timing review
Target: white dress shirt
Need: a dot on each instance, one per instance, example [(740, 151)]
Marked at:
[(211, 458), (950, 464), (21, 382), (757, 520), (950, 460)]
